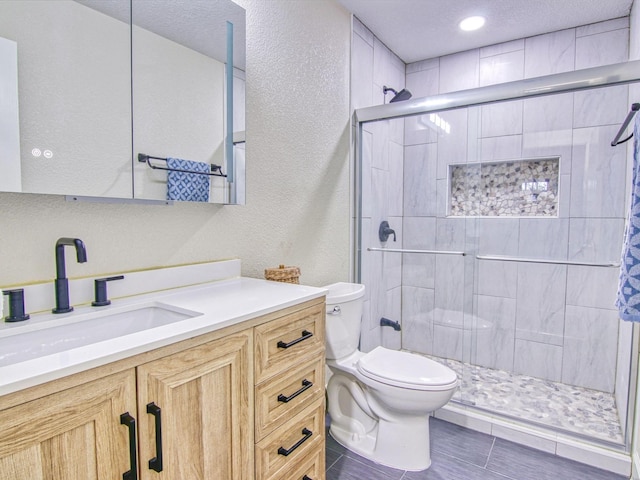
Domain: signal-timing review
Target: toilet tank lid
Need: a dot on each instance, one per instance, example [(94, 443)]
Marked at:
[(343, 292), (405, 368)]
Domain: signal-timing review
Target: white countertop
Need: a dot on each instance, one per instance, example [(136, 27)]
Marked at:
[(218, 304)]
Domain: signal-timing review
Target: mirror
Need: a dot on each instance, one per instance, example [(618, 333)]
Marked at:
[(65, 101), (181, 86), (88, 73)]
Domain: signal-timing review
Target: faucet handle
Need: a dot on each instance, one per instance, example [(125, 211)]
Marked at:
[(16, 305), (384, 231), (100, 288)]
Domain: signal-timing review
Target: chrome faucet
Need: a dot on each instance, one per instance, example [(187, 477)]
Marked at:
[(61, 283)]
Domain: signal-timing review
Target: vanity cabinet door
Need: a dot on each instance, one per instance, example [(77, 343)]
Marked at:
[(206, 414), (73, 434)]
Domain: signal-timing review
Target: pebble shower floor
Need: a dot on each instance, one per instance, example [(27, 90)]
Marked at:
[(575, 409)]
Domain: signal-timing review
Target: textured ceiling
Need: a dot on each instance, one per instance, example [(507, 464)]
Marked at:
[(420, 29)]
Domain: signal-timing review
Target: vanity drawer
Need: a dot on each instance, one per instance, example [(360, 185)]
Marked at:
[(289, 444), (313, 466), (284, 343), (280, 398)]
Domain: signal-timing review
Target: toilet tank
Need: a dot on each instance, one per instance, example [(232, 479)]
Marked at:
[(344, 315)]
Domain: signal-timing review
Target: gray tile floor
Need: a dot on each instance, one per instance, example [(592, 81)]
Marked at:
[(458, 453)]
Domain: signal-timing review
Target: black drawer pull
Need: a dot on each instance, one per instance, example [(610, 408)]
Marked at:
[(305, 334), (130, 422), (306, 477), (306, 385), (156, 462), (307, 434)]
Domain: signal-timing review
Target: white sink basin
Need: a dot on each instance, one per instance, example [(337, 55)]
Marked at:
[(26, 341)]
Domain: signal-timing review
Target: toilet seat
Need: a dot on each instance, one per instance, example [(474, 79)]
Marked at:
[(405, 370)]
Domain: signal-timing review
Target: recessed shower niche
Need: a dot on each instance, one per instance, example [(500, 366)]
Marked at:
[(516, 188)]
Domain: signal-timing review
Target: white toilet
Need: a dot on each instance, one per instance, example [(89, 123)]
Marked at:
[(379, 402)]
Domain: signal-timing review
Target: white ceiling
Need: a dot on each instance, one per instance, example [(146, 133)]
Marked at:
[(420, 29)]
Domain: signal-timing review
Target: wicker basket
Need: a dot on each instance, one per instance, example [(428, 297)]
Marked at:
[(283, 274)]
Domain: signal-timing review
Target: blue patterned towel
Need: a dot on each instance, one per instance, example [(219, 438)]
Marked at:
[(188, 187), (629, 289)]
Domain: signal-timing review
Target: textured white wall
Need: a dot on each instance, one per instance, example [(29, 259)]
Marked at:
[(298, 196)]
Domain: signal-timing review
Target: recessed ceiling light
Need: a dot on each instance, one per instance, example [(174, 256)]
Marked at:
[(471, 23)]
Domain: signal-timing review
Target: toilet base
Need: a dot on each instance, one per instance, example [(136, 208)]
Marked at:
[(404, 445)]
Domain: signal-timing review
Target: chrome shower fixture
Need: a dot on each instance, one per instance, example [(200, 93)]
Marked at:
[(403, 94)]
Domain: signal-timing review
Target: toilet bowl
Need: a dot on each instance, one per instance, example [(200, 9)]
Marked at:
[(379, 402)]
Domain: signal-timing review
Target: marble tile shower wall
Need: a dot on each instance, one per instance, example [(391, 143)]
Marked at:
[(555, 322), (373, 67), (551, 321)]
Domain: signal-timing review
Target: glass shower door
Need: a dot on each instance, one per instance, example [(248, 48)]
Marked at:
[(546, 345), (437, 272), (508, 219)]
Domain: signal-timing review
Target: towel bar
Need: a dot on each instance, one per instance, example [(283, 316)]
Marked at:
[(216, 170), (541, 260), (634, 108), (402, 250)]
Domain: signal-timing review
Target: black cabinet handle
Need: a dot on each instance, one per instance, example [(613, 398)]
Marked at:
[(306, 477), (307, 434), (130, 422), (156, 462), (306, 385), (305, 335)]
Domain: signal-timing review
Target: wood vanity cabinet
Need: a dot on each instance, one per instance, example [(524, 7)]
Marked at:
[(199, 400), (73, 434), (194, 399), (289, 396)]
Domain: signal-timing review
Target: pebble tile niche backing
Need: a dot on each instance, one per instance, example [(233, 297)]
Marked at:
[(519, 188)]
